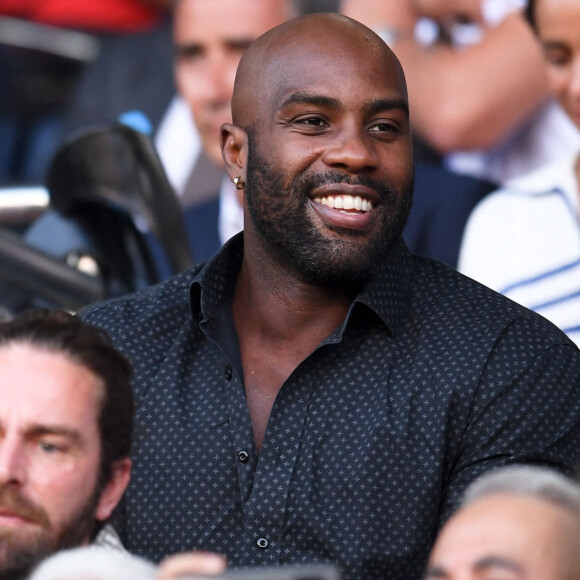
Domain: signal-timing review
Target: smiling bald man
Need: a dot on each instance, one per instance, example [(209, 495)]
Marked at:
[(315, 392)]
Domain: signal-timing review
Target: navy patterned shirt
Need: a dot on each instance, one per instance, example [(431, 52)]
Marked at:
[(431, 380)]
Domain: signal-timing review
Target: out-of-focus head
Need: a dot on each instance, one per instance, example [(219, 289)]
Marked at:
[(66, 416), (322, 142), (557, 24), (517, 523), (210, 37)]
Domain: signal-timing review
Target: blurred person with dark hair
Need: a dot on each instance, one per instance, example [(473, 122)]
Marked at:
[(66, 419), (524, 239)]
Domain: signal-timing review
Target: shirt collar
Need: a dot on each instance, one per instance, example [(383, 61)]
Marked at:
[(386, 293)]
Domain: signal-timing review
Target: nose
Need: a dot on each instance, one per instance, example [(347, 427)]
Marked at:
[(351, 149), (12, 462), (218, 78)]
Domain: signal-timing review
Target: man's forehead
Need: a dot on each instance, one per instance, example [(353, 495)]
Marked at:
[(332, 79), (319, 53)]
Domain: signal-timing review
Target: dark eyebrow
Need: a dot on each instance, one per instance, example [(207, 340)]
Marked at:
[(193, 48), (184, 50), (309, 99), (387, 105), (497, 561), (435, 572), (551, 44), (330, 103)]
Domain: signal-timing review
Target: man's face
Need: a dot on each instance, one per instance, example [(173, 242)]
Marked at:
[(49, 456), (329, 172), (558, 23), (506, 537), (210, 37)]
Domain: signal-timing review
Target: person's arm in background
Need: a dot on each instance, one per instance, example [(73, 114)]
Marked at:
[(468, 98)]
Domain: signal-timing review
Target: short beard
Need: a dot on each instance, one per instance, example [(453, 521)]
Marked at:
[(20, 555), (280, 217)]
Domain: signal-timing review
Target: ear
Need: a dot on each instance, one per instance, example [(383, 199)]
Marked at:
[(114, 489), (234, 145)]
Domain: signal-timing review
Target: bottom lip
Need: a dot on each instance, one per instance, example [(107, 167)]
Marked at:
[(12, 519)]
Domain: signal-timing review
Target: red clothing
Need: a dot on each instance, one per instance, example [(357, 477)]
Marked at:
[(96, 15)]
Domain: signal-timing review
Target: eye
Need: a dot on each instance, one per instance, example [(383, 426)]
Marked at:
[(557, 55), (188, 55), (50, 447), (311, 121), (384, 129)]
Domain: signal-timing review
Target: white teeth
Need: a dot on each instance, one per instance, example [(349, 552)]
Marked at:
[(346, 202)]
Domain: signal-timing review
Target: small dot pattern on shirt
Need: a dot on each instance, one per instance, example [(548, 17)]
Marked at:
[(431, 380)]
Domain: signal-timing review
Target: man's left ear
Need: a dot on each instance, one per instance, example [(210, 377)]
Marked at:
[(113, 491), (234, 145)]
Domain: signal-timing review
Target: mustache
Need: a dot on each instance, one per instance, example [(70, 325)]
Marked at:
[(12, 500), (310, 181)]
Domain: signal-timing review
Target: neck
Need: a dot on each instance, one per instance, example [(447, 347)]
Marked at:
[(282, 304)]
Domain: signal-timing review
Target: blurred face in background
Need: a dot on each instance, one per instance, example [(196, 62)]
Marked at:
[(210, 37), (558, 28), (507, 537)]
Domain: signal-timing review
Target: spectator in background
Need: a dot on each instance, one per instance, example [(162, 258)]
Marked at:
[(477, 86), (524, 240), (66, 418), (208, 49), (514, 523)]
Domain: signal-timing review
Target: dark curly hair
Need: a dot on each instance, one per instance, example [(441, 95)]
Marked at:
[(530, 14)]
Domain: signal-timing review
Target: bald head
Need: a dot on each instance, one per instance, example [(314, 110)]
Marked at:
[(321, 124), (291, 56)]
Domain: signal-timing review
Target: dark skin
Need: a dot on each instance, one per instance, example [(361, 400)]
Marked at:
[(322, 93)]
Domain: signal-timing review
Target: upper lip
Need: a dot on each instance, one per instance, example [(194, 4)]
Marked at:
[(347, 189)]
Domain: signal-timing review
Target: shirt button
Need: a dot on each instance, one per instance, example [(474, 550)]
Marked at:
[(228, 373), (243, 456), (262, 543)]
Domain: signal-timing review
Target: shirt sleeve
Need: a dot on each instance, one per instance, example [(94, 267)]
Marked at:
[(526, 409)]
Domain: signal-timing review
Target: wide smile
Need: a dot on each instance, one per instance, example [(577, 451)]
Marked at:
[(346, 206), (346, 203)]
